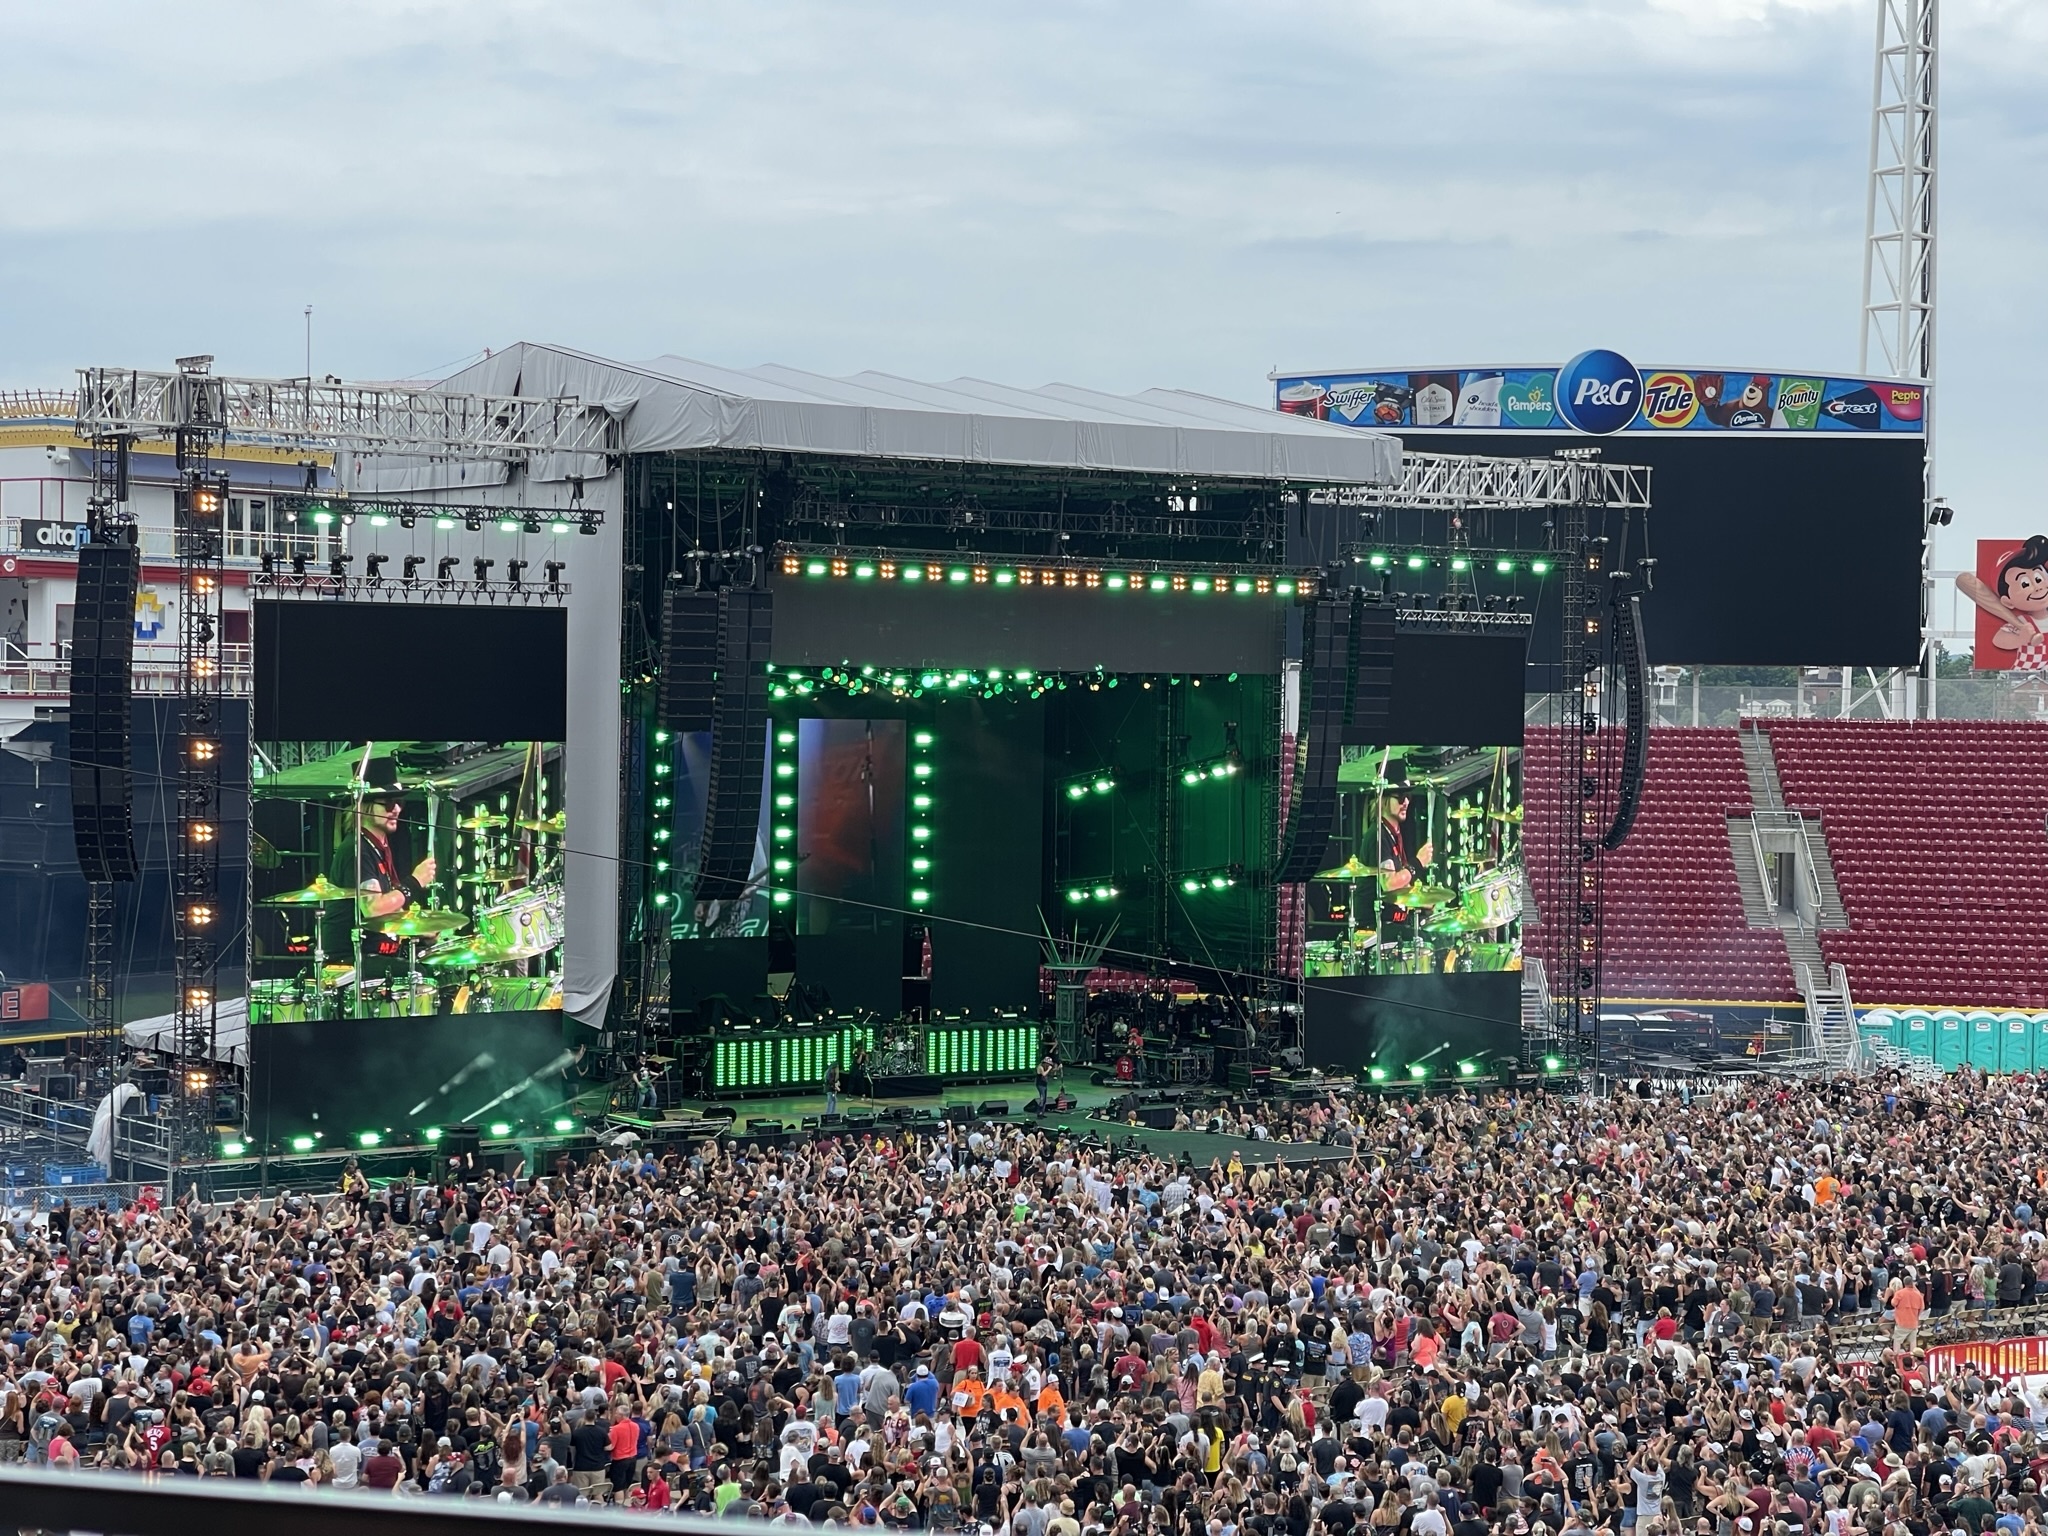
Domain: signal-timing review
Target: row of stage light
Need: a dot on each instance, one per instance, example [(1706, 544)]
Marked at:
[(444, 569), (1129, 578), (232, 1147)]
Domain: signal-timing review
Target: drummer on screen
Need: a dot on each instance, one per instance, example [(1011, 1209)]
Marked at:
[(383, 888), (1401, 864)]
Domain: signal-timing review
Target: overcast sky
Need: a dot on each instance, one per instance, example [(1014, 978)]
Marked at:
[(1114, 195)]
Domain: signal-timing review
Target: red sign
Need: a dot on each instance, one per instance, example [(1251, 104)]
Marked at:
[(2010, 589), (25, 1004)]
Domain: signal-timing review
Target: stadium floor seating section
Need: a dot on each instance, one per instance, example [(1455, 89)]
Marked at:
[(1936, 829), (1675, 929)]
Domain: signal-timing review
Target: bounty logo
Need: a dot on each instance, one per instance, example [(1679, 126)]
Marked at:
[(1598, 391), (1858, 408), (1669, 400), (1798, 404)]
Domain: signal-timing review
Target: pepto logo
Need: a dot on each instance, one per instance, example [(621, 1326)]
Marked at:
[(1598, 391), (1905, 402), (1669, 400)]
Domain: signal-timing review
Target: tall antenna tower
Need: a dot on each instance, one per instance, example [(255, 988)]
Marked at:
[(1900, 215)]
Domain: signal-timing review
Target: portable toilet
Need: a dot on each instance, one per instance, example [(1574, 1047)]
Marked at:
[(2040, 1028), (1916, 1034), (1985, 1039), (1880, 1027), (2016, 1043), (1951, 1040)]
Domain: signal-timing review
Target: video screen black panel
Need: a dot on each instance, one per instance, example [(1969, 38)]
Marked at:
[(829, 622), (1395, 1023), (338, 1078), (1463, 690), (433, 672), (1774, 550)]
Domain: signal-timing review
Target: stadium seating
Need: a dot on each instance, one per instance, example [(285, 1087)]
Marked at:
[(1674, 928), (1937, 833)]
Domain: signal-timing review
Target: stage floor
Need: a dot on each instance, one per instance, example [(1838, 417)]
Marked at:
[(1202, 1146)]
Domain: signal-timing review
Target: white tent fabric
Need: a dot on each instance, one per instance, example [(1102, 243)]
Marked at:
[(99, 1142), (675, 404), (230, 1032)]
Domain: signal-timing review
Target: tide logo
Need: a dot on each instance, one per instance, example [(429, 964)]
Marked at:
[(1669, 400)]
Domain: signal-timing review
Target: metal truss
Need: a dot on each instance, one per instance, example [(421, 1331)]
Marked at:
[(853, 555), (1458, 481), (454, 591), (1900, 215), (1117, 519), (387, 418), (1456, 619)]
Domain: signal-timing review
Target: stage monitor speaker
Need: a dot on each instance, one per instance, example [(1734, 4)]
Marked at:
[(960, 1114), (102, 652), (994, 1109), (1158, 1117), (689, 660), (739, 743), (461, 1140), (61, 1086), (764, 1127)]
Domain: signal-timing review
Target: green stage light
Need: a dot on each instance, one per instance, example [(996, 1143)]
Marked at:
[(1417, 1069), (1077, 791), (1104, 786), (1200, 584), (1505, 567), (785, 738), (1284, 588), (913, 573), (1217, 882), (661, 770), (661, 898), (782, 898), (1077, 896), (1158, 583), (919, 866), (784, 770), (509, 525), (919, 897), (816, 568), (1467, 1068), (1540, 567), (1377, 562), (956, 574), (1377, 1074), (1113, 582), (565, 1124), (1553, 1064), (661, 834), (660, 737), (1104, 892), (380, 522), (1191, 776), (232, 1149), (431, 1133), (920, 834), (444, 523), (558, 527), (784, 834), (784, 866), (784, 802), (921, 802), (367, 1138), (863, 572), (1418, 562), (922, 739), (1022, 674), (1191, 886), (500, 1128), (1461, 564), (1242, 584), (302, 1143), (1004, 578), (921, 771), (661, 866)]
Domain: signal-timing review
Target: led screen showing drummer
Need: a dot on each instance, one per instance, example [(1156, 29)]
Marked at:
[(1426, 874), (404, 878)]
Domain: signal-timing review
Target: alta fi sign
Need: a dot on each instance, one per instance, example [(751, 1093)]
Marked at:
[(1599, 391), (40, 534)]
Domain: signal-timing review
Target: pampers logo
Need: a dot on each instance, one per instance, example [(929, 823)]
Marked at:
[(1598, 391)]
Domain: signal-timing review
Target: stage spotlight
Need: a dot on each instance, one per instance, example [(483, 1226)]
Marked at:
[(269, 560), (473, 523), (554, 568), (412, 566), (299, 563), (407, 518), (514, 569), (530, 525), (587, 523), (373, 566), (444, 566), (482, 567), (337, 566)]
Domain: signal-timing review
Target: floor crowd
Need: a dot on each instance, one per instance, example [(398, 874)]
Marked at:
[(1488, 1314)]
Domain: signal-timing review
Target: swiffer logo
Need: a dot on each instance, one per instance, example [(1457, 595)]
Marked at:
[(1598, 391)]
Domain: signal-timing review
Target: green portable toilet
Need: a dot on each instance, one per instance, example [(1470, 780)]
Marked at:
[(1916, 1033), (2039, 1024), (1985, 1039), (1951, 1040), (1880, 1026), (2015, 1043)]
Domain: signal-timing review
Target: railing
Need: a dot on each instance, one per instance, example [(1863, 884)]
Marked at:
[(43, 669), (2003, 1358), (38, 405), (38, 1198)]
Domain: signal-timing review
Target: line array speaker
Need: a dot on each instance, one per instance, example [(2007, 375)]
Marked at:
[(689, 660), (102, 650), (739, 744), (1344, 637)]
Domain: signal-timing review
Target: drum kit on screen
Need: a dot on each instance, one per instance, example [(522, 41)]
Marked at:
[(1459, 916), (455, 962)]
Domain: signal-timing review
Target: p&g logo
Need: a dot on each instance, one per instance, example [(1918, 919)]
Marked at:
[(1598, 391)]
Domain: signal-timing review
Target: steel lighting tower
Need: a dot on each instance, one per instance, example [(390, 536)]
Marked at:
[(1899, 222)]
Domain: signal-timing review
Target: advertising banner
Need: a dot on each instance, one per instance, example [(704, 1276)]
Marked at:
[(2010, 589), (1666, 400)]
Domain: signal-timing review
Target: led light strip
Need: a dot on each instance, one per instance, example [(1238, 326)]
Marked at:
[(1049, 578), (919, 860), (782, 798), (660, 821)]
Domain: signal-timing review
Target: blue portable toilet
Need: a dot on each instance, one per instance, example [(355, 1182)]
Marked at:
[(1881, 1026), (1916, 1033), (1984, 1039), (1951, 1040), (2015, 1043)]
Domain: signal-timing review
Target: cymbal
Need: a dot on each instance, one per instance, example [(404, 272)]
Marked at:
[(476, 821), (423, 922), (1351, 869), (1467, 812), (321, 890), (1420, 898), (1515, 815), (491, 877), (1456, 922), (475, 954), (552, 826)]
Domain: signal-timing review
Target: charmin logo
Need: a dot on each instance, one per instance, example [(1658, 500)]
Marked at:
[(1669, 400), (1598, 391), (1746, 418)]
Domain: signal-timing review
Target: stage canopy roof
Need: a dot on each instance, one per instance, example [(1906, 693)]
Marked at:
[(674, 405)]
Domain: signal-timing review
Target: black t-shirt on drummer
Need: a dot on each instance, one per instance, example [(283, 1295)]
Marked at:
[(380, 863)]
